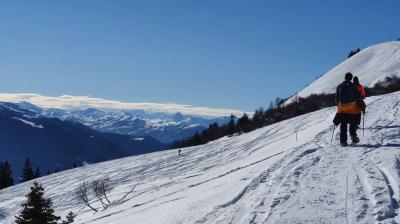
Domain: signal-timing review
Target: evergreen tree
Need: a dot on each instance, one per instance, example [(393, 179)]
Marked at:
[(6, 179), (70, 218), (258, 118), (271, 106), (27, 173), (213, 131), (37, 209), (244, 123), (37, 172), (197, 139), (278, 102), (353, 52), (231, 127)]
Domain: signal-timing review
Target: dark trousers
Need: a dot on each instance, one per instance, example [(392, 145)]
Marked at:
[(343, 131)]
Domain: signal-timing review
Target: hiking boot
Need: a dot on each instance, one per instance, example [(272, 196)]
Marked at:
[(344, 144), (355, 140)]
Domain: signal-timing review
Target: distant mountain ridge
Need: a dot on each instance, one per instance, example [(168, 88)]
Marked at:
[(161, 126), (68, 102), (53, 144)]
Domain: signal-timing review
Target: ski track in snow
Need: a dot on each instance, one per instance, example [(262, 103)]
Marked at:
[(265, 176)]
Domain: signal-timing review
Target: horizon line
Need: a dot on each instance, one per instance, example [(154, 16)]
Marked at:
[(83, 102)]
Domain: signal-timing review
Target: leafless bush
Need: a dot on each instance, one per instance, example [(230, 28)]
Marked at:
[(82, 194), (100, 188)]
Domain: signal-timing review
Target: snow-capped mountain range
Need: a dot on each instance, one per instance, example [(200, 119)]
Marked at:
[(164, 122), (68, 102), (161, 126), (54, 144)]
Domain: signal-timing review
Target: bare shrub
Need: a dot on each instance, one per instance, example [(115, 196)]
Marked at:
[(82, 195), (100, 188)]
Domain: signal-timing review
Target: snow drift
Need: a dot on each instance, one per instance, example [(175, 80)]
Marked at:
[(288, 172)]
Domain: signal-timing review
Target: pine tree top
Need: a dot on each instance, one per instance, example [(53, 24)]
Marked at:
[(37, 209), (27, 173), (6, 179)]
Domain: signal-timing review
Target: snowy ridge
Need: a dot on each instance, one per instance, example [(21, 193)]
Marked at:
[(55, 144), (164, 127), (264, 176), (28, 123), (371, 65)]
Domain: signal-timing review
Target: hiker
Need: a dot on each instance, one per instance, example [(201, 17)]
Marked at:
[(179, 152), (347, 97), (360, 102), (359, 87)]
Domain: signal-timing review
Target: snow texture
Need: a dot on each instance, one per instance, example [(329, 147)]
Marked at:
[(265, 176)]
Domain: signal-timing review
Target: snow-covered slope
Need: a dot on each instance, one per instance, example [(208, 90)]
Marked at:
[(265, 176), (371, 65)]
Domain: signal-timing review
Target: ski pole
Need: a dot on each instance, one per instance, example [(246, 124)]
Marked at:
[(333, 131), (363, 124)]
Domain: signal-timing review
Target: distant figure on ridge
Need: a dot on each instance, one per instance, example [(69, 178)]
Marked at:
[(347, 96), (179, 152)]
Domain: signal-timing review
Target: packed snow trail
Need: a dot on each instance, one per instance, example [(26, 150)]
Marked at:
[(265, 176)]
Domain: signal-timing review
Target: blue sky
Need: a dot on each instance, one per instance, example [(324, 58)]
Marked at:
[(225, 54)]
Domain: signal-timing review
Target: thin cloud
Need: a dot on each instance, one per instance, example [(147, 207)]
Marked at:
[(82, 102)]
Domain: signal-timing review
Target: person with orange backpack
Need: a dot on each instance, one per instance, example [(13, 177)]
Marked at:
[(347, 98)]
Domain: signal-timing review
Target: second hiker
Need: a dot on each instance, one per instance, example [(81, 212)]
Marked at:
[(360, 102)]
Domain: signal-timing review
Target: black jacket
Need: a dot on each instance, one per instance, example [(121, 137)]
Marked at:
[(346, 92)]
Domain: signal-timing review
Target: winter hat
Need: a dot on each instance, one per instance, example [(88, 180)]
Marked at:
[(348, 76)]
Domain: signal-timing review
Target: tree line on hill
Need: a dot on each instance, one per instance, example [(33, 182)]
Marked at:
[(353, 52), (277, 112), (28, 173), (6, 179)]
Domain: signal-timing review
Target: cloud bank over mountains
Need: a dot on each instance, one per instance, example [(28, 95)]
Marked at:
[(82, 102)]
